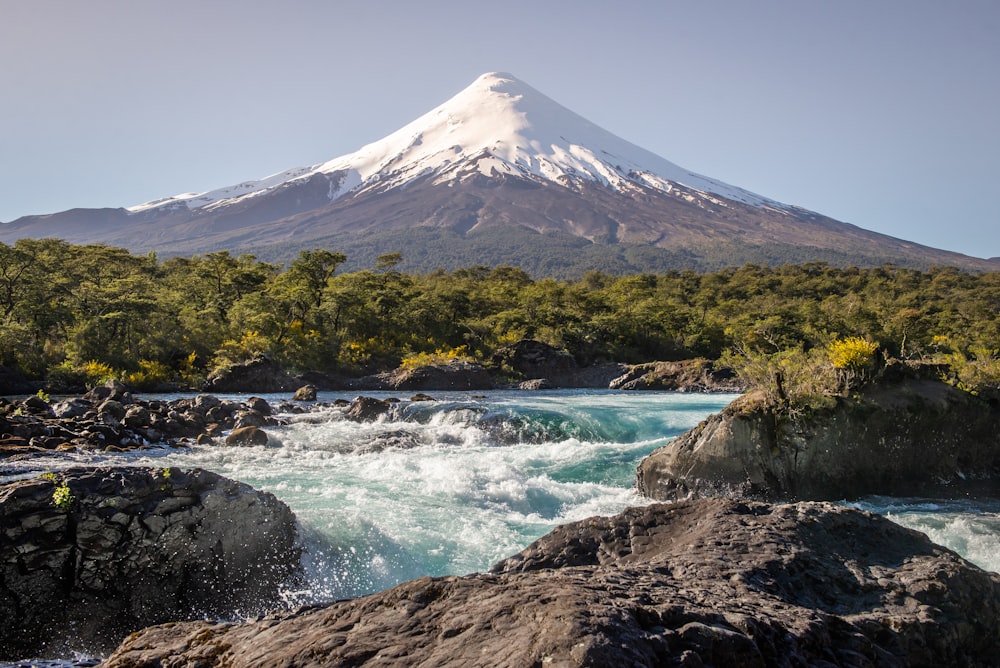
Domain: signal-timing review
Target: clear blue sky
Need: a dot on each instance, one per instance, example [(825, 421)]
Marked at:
[(881, 113)]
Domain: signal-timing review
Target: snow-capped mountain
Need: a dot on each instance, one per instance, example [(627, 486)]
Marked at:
[(498, 174), (498, 126)]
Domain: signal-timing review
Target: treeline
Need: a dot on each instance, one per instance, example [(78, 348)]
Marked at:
[(86, 313)]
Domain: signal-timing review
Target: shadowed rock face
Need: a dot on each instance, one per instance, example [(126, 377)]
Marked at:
[(895, 437), (708, 582), (128, 547)]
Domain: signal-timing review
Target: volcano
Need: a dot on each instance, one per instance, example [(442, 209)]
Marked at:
[(498, 174)]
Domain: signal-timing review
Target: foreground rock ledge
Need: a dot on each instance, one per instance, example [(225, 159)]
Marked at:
[(128, 547), (699, 583)]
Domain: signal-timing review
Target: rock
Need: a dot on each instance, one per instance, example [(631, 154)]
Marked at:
[(36, 404), (368, 409), (71, 408), (129, 547), (533, 359), (305, 393), (112, 389), (113, 408), (12, 381), (544, 367), (247, 436), (136, 417), (454, 375), (420, 396), (705, 583), (259, 405), (895, 437), (258, 375), (697, 375)]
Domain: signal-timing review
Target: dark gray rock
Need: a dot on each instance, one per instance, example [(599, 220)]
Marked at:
[(368, 409), (455, 375), (897, 436), (124, 548), (697, 375), (258, 375), (706, 583)]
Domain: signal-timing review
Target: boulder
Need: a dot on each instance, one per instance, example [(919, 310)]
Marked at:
[(533, 359), (91, 554), (704, 583), (250, 435), (454, 375), (258, 375), (112, 389), (542, 367), (368, 409), (697, 375), (305, 393), (898, 436)]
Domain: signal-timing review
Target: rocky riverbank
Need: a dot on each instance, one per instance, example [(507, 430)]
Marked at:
[(709, 582), (89, 555)]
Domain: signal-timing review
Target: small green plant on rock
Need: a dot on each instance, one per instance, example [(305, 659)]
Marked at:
[(63, 498)]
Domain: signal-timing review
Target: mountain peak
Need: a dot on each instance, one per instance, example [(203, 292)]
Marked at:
[(497, 126)]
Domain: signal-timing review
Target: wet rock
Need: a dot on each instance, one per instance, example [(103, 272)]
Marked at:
[(259, 405), (122, 548), (705, 583), (247, 436), (368, 409), (305, 393)]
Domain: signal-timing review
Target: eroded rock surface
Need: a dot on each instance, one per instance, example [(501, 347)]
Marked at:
[(122, 548), (700, 583)]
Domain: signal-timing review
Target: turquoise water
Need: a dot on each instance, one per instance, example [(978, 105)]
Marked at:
[(450, 486), (454, 485)]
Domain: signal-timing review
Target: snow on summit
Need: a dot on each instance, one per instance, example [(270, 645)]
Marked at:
[(497, 126)]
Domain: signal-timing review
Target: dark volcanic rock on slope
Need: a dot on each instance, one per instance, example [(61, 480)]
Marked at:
[(897, 436), (89, 555), (710, 582)]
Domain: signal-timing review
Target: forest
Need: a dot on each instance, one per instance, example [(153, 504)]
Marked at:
[(83, 314)]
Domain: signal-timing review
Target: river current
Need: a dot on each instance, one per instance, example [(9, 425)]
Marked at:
[(452, 486)]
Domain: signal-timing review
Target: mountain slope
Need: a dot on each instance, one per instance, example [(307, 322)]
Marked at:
[(498, 160)]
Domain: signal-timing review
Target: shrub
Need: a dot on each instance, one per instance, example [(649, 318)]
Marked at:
[(150, 374), (92, 374), (792, 378), (439, 356), (853, 353)]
